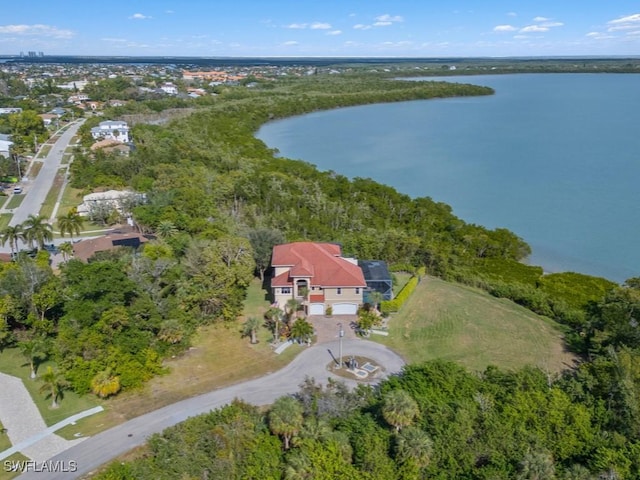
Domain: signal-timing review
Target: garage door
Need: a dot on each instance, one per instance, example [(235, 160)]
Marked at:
[(345, 308), (316, 309)]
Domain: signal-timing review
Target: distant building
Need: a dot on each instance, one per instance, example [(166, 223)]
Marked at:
[(10, 110), (86, 249), (169, 88), (112, 129)]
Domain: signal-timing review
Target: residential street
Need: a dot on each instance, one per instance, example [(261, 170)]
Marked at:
[(97, 450), (36, 190)]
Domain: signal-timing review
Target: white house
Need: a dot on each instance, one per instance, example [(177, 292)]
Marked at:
[(169, 88), (116, 130), (5, 148), (114, 199)]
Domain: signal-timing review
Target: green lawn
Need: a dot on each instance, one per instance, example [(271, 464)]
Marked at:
[(13, 363), (400, 280), (52, 196), (453, 322), (4, 439), (5, 218), (16, 457), (14, 201)]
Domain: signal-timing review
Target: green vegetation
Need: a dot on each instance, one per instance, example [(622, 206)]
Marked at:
[(16, 457), (466, 325), (52, 196), (15, 201), (5, 218), (434, 420), (12, 362), (392, 306), (216, 200)]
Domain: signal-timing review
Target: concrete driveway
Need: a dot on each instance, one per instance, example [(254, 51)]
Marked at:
[(313, 362)]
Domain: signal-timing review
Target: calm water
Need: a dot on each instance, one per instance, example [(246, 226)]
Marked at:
[(554, 158)]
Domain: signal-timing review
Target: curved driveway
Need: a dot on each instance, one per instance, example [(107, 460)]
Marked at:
[(313, 362)]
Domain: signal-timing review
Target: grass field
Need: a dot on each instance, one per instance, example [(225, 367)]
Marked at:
[(16, 457), (453, 322), (13, 363), (15, 201), (5, 218), (46, 210)]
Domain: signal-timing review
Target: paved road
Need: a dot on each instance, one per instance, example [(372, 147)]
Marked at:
[(313, 362), (36, 190)]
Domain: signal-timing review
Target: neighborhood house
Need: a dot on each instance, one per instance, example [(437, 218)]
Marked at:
[(115, 130), (317, 275)]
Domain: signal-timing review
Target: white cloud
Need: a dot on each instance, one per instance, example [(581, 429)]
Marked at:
[(534, 29), (504, 28), (541, 19), (380, 21), (552, 24), (630, 22), (139, 16), (389, 18), (290, 43), (334, 32), (297, 26), (512, 14), (635, 18), (36, 30), (320, 26), (169, 12)]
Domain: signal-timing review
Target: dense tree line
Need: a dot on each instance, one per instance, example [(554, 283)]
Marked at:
[(433, 420)]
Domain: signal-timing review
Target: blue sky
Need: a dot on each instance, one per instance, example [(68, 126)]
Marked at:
[(411, 28)]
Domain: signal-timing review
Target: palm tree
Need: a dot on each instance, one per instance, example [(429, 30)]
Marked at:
[(302, 330), (292, 306), (166, 229), (105, 384), (66, 249), (285, 418), (12, 235), (413, 444), (70, 223), (53, 383), (36, 229), (274, 315), (34, 352), (399, 409), (250, 329)]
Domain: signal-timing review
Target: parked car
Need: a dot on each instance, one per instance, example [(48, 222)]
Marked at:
[(17, 190)]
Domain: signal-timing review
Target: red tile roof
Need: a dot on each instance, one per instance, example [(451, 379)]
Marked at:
[(319, 261)]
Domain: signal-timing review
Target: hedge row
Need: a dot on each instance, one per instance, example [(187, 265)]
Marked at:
[(392, 306)]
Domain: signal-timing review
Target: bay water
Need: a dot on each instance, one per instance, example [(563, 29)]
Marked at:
[(553, 157)]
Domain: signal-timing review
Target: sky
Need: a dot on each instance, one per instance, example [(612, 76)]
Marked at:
[(328, 28)]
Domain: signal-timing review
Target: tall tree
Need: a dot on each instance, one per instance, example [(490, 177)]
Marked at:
[(37, 230), (34, 350), (54, 383), (263, 240), (250, 329), (399, 409), (66, 248), (70, 223), (12, 234), (285, 419)]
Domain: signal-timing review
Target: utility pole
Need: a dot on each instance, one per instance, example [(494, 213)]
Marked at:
[(340, 335)]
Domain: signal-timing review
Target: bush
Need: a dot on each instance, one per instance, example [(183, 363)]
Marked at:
[(391, 306)]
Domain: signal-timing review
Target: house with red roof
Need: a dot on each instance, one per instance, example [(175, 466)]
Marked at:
[(317, 275)]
